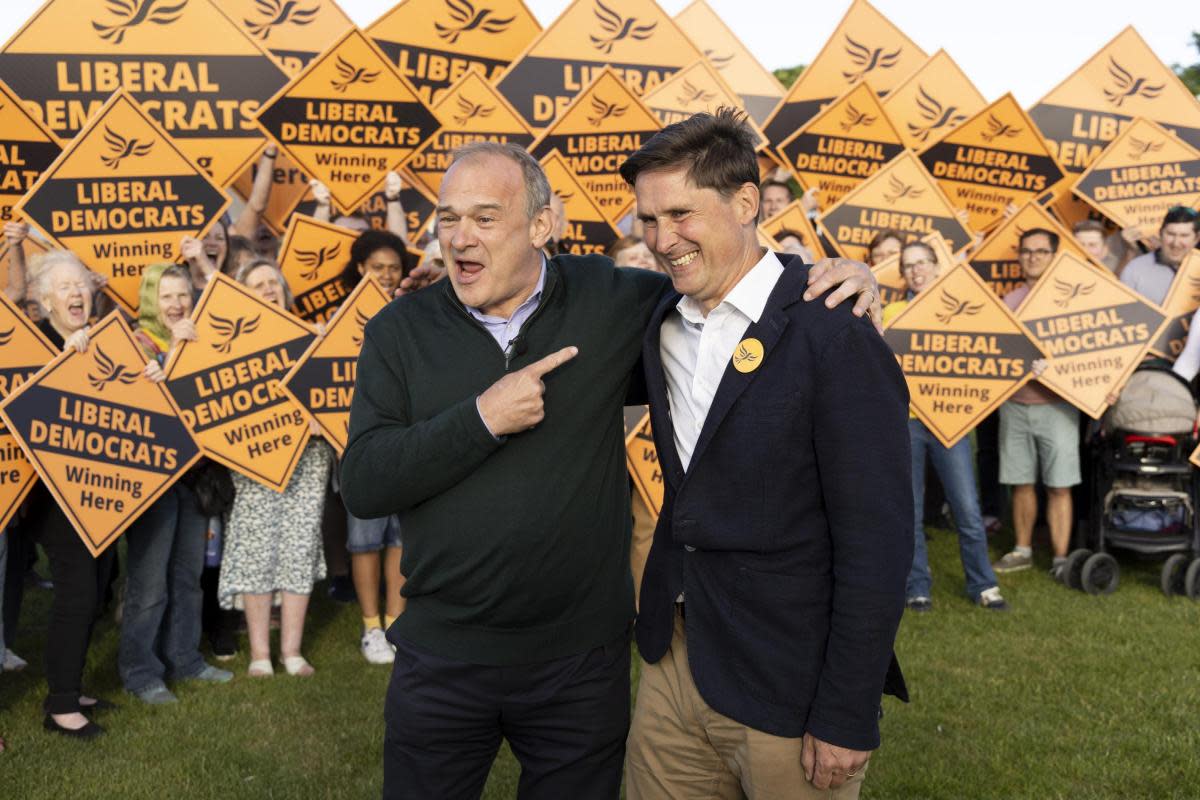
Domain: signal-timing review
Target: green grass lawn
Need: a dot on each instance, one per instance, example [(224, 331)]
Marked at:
[(1068, 696)]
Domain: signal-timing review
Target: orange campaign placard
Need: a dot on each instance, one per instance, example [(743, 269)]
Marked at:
[(695, 88), (121, 196), (1095, 329), (469, 111), (1180, 304), (31, 247), (190, 66), (1141, 174), (24, 350), (588, 230), (794, 221), (996, 260), (322, 381), (902, 196), (962, 352), (417, 203), (1123, 80), (995, 158), (27, 148), (893, 286), (106, 441), (635, 38), (865, 46), (228, 382), (842, 146), (312, 257), (641, 457), (348, 118), (933, 101), (758, 87), (294, 31), (434, 43), (604, 125), (767, 240)]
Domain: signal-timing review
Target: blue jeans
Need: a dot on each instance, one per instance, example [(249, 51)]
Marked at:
[(160, 627), (956, 469)]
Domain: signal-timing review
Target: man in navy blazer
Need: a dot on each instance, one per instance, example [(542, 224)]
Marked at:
[(775, 583)]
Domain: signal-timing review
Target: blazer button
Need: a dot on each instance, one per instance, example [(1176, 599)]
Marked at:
[(689, 548)]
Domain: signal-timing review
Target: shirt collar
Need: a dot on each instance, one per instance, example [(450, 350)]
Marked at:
[(531, 301), (749, 296)]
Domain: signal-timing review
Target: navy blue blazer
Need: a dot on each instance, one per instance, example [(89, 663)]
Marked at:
[(791, 534)]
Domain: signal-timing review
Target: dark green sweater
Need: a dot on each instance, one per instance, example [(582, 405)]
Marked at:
[(515, 551)]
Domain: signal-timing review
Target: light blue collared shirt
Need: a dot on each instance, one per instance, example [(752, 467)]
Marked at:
[(505, 330)]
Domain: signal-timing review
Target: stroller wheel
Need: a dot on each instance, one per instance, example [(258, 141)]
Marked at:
[(1072, 574), (1191, 580), (1173, 570), (1101, 574)]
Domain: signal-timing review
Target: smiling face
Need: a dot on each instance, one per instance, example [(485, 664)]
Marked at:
[(174, 300), (1178, 239), (264, 282), (68, 295), (491, 247), (775, 199), (884, 250), (705, 241), (919, 268), (1035, 254), (215, 245), (385, 266), (637, 255)]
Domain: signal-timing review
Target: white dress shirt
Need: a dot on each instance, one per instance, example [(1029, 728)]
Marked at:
[(696, 349)]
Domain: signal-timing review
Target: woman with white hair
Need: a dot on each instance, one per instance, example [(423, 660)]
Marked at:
[(63, 287)]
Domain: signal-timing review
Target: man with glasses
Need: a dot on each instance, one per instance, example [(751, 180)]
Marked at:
[(1039, 436), (955, 468), (1151, 274)]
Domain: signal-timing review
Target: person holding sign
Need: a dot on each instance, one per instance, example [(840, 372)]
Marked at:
[(63, 287), (955, 468), (160, 624), (487, 411), (775, 584), (263, 556), (1039, 435), (1151, 274)]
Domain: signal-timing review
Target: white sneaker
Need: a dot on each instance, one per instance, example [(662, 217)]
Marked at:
[(375, 647), (13, 662)]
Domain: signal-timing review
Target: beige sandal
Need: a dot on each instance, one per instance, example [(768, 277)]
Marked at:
[(260, 669), (297, 665)]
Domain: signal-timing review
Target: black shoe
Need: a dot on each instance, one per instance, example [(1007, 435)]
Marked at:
[(919, 604), (341, 589), (89, 731), (100, 705), (224, 645)]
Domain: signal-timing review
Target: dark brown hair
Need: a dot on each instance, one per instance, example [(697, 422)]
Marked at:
[(717, 149)]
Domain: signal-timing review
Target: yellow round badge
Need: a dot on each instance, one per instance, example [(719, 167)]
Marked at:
[(748, 356)]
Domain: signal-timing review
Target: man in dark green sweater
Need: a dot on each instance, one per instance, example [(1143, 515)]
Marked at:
[(488, 411)]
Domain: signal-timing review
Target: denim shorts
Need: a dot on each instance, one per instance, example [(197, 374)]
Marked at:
[(371, 535), (1039, 438)]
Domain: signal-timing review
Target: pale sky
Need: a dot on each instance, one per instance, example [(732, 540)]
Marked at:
[(1022, 46)]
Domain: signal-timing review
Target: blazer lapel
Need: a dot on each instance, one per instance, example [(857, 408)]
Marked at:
[(656, 387)]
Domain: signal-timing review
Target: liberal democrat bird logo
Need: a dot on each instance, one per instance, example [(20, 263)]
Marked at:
[(351, 75), (720, 62), (997, 129), (898, 188), (468, 19), (693, 94), (132, 13), (1140, 148), (854, 118), (6, 336), (617, 28), (313, 260), (360, 321), (935, 114), (953, 307), (603, 111), (469, 111), (1070, 291), (109, 372), (120, 148), (276, 14), (230, 329), (868, 59), (748, 355), (1128, 86)]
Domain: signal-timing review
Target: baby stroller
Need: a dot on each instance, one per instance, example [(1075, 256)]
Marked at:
[(1143, 489)]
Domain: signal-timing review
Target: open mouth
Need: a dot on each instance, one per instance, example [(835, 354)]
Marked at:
[(468, 271)]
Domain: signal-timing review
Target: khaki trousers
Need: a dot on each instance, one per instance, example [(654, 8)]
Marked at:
[(680, 749)]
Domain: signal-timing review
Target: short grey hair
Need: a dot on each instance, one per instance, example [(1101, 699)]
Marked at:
[(243, 274), (42, 266), (537, 186)]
